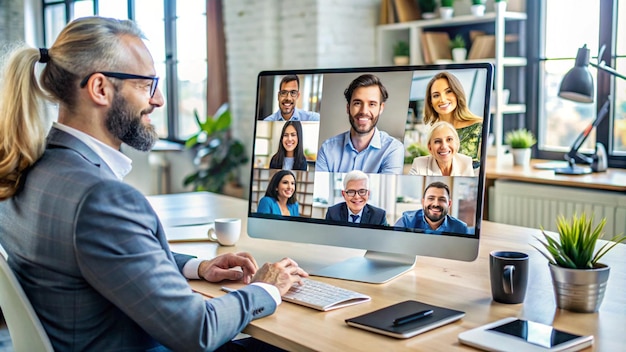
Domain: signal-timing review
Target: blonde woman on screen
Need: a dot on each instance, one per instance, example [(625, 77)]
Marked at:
[(444, 158), (446, 101)]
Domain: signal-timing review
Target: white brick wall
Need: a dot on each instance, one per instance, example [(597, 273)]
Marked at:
[(290, 34)]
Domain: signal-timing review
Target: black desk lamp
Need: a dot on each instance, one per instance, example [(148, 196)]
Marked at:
[(577, 85)]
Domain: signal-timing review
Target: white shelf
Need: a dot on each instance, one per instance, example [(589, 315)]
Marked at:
[(389, 34)]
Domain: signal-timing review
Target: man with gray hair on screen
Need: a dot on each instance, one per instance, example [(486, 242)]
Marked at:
[(355, 208)]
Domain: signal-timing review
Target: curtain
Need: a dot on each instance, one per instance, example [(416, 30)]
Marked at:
[(217, 87)]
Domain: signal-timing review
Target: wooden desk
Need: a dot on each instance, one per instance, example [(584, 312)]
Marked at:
[(460, 285), (611, 180)]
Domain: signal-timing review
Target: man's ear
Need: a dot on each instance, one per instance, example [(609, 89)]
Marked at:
[(99, 89), (382, 107)]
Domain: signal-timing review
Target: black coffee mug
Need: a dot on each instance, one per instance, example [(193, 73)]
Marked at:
[(509, 276)]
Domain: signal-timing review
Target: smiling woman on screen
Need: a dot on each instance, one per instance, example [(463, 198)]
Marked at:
[(280, 196), (290, 154), (446, 101), (444, 158)]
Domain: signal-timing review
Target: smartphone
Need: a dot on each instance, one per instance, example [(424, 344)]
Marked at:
[(513, 334)]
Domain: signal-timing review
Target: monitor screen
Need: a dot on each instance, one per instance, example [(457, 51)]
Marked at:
[(385, 159)]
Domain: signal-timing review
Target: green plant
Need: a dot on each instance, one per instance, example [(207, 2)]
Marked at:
[(457, 42), (478, 2), (217, 154), (415, 150), (575, 247), (447, 3), (521, 138), (401, 48), (427, 5)]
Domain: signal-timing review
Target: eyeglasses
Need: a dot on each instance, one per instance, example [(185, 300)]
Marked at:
[(119, 75), (353, 192), (293, 93)]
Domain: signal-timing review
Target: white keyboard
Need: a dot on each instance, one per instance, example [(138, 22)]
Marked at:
[(322, 296)]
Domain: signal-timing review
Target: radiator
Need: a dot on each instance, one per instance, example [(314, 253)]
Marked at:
[(533, 205)]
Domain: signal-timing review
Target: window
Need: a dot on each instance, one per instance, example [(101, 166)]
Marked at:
[(176, 32), (552, 50)]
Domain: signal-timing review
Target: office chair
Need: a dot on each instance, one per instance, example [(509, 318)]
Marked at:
[(27, 333)]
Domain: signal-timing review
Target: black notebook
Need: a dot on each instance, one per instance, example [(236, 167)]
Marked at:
[(382, 321)]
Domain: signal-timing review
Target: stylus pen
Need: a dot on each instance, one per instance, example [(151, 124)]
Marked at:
[(413, 317)]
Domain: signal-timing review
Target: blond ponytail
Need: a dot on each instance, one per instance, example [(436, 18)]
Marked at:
[(22, 126)]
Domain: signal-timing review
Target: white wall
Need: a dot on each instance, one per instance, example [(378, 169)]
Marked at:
[(284, 34)]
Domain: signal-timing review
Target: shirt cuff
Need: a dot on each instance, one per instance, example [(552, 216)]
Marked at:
[(190, 269), (271, 289)]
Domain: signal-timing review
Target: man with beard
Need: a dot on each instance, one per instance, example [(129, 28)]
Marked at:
[(433, 217), (363, 147), (288, 95), (88, 249)]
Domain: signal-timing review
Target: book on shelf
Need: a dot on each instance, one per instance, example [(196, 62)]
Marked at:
[(394, 11), (435, 46), (483, 47)]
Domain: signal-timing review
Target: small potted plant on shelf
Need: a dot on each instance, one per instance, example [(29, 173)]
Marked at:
[(579, 279), (520, 141), (401, 53), (427, 7), (446, 10), (459, 52), (478, 7)]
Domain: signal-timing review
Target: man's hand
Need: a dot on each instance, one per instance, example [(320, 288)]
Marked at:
[(219, 268), (282, 274)]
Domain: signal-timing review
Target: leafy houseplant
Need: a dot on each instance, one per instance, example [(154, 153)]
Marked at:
[(478, 7), (427, 7), (217, 154), (416, 149), (446, 10), (401, 53), (459, 52), (520, 142), (579, 279), (520, 139), (457, 42)]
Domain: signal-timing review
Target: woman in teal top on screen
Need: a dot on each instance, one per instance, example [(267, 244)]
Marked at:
[(280, 196)]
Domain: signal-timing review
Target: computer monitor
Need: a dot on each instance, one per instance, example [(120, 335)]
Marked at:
[(320, 112)]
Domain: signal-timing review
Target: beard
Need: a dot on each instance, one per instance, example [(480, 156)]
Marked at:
[(360, 129), (128, 127), (435, 218)]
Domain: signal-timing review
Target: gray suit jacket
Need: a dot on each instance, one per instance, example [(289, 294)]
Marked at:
[(93, 259), (371, 214)]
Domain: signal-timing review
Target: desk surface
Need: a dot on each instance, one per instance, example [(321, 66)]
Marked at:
[(611, 180), (460, 285)]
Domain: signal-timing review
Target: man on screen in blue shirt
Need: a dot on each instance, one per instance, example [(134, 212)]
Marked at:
[(287, 97), (433, 217), (363, 147)]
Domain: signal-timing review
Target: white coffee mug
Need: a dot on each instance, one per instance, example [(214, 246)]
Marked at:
[(225, 231)]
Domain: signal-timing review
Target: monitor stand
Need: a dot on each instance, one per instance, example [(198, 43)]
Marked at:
[(374, 267)]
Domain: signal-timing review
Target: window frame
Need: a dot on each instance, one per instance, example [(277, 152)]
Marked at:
[(605, 83), (170, 60)]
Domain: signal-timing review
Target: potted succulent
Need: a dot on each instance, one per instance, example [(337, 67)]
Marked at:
[(579, 279), (401, 52), (478, 7), (427, 7), (217, 155), (459, 51), (520, 141), (446, 10)]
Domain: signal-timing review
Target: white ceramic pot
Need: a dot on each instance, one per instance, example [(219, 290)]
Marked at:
[(446, 13), (521, 156), (478, 10), (459, 54)]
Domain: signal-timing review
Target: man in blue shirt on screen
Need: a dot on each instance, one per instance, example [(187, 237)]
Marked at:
[(287, 97), (433, 217), (363, 147)]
